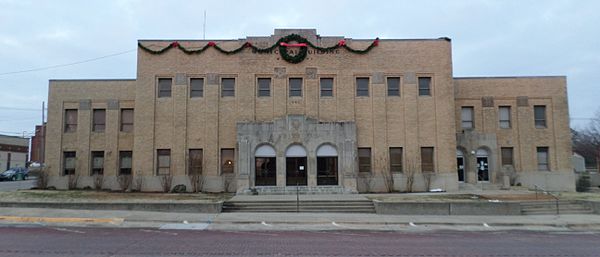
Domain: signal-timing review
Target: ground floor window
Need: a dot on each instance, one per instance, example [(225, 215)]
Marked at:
[(296, 171), (163, 161), (97, 162), (327, 171), (69, 163), (227, 155), (195, 164), (125, 162)]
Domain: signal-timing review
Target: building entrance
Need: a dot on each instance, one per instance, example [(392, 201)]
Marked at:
[(483, 173), (265, 166), (460, 165), (295, 166), (327, 166)]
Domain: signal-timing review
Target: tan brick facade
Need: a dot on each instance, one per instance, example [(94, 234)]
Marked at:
[(410, 121)]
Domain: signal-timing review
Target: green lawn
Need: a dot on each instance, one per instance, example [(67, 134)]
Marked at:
[(101, 196)]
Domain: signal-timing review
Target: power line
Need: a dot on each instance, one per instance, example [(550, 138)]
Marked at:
[(67, 64)]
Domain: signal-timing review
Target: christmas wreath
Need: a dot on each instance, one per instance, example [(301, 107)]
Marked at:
[(283, 43)]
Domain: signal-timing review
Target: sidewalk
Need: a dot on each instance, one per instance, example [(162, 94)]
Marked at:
[(291, 221)]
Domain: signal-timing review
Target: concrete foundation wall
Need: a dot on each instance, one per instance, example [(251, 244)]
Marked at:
[(550, 181), (439, 208)]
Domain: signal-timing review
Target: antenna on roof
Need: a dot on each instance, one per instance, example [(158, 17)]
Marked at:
[(204, 27)]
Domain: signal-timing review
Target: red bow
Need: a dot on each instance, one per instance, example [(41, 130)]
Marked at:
[(211, 43), (376, 42), (248, 44), (342, 43), (293, 45), (175, 44)]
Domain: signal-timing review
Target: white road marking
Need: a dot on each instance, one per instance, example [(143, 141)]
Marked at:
[(486, 225), (337, 225), (185, 226), (412, 224), (69, 230), (160, 232), (265, 224), (185, 222)]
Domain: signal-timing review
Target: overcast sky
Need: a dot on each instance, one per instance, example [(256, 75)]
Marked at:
[(489, 38)]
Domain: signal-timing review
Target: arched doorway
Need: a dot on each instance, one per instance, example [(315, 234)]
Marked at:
[(460, 165), (327, 166), (295, 166), (265, 166), (483, 172)]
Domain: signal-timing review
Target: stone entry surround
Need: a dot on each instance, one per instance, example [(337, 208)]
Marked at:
[(296, 130)]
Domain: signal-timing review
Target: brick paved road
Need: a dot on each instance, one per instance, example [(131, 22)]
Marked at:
[(47, 241)]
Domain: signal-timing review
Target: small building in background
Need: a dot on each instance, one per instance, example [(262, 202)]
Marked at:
[(37, 144), (14, 152)]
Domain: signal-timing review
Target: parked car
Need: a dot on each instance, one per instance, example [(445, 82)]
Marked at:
[(15, 173)]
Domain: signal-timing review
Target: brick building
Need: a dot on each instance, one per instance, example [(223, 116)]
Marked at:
[(14, 152), (327, 114), (37, 144)]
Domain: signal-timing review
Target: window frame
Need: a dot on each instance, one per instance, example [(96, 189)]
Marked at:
[(260, 91), (94, 170), (122, 123), (394, 164), (503, 158), (69, 171), (362, 92), (191, 164), (428, 89), (546, 150), (365, 167), (540, 122), (504, 121), (432, 164), (322, 90), (226, 92), (163, 92), (70, 127), (471, 110), (291, 90), (122, 155), (387, 82), (223, 161), (199, 92), (98, 126), (160, 166)]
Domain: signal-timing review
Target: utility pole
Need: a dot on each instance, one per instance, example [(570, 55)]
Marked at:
[(43, 136)]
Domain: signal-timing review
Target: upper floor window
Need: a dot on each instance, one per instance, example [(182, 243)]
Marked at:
[(264, 87), (99, 120), (127, 120), (424, 86), (70, 120), (539, 113), (362, 86), (504, 116), (164, 87), (227, 87), (295, 87), (393, 86), (466, 117), (326, 86), (196, 87)]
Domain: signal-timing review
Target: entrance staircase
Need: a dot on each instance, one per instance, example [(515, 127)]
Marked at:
[(549, 208), (306, 203)]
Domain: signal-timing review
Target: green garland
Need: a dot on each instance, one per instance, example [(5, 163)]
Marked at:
[(299, 57)]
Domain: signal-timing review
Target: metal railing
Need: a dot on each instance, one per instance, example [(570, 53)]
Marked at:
[(538, 189)]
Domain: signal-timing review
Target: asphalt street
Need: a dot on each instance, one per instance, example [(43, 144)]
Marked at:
[(59, 241), (7, 186)]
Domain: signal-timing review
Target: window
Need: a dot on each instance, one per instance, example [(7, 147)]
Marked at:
[(195, 162), (125, 161), (164, 87), (504, 116), (227, 87), (97, 162), (127, 120), (539, 113), (326, 87), (427, 159), (69, 163), (295, 87), (507, 155), (70, 120), (393, 86), (99, 120), (163, 161), (396, 159), (424, 86), (362, 86), (196, 87), (542, 158), (227, 156), (264, 87), (466, 117), (364, 159)]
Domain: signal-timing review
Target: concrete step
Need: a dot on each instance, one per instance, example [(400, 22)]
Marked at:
[(355, 206), (549, 208), (553, 212)]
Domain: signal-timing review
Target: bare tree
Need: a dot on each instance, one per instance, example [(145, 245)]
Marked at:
[(124, 182), (427, 176), (386, 173), (409, 173), (98, 181), (367, 180), (42, 180), (72, 181), (196, 182), (137, 183), (227, 180), (586, 141), (166, 181)]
